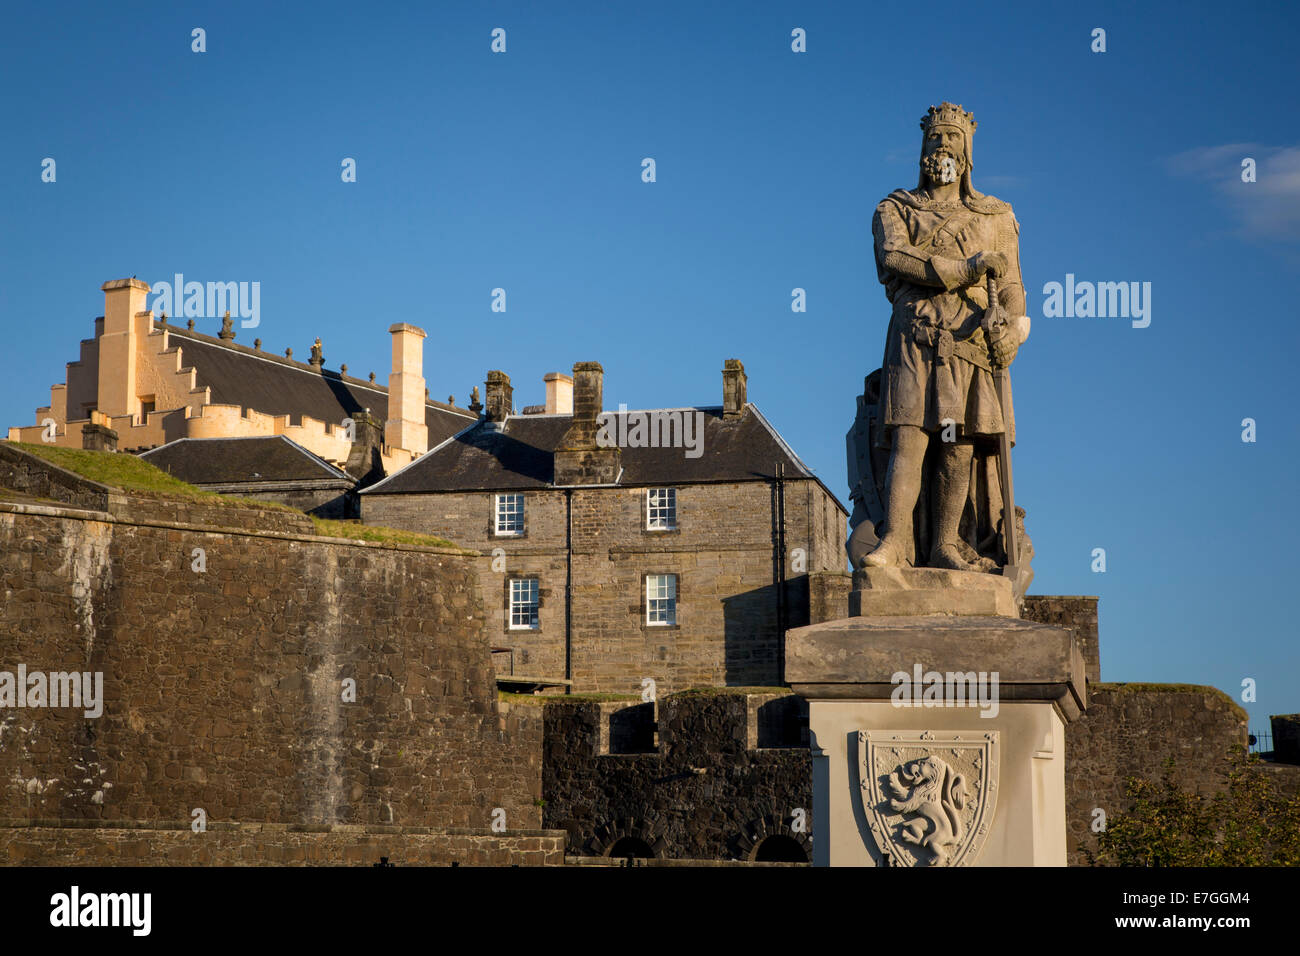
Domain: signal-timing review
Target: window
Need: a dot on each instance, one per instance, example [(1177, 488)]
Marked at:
[(661, 600), (661, 509), (510, 514), (523, 603)]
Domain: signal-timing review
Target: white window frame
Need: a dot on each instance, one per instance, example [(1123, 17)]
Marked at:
[(500, 528), (667, 506), (525, 593), (661, 600)]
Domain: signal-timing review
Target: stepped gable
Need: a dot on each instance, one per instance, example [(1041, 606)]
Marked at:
[(520, 453), (275, 385), (206, 461)]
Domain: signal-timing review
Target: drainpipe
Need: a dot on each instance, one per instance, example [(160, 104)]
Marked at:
[(568, 589), (778, 522)]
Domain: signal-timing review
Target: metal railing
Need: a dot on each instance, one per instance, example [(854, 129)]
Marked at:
[(1260, 742)]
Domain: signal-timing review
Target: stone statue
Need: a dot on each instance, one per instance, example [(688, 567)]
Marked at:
[(929, 460)]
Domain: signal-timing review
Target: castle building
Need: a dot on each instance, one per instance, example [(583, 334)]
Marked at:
[(618, 550), (668, 544), (152, 383), (263, 467)]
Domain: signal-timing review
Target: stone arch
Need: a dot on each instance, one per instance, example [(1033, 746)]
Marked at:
[(749, 844), (627, 833)]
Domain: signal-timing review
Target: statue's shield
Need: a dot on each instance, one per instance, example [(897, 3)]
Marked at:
[(929, 797)]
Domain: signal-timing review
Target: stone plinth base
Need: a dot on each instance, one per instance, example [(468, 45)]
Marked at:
[(937, 740), (889, 592)]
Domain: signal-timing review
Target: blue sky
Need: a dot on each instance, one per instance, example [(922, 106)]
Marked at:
[(522, 171)]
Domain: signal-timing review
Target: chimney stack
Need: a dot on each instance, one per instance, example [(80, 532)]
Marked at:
[(365, 459), (579, 460), (126, 323), (405, 427), (500, 396), (559, 393), (735, 386), (98, 435)]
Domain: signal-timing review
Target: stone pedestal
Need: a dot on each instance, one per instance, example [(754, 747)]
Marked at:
[(907, 592), (938, 739)]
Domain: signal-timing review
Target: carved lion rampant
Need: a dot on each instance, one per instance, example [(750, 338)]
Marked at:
[(929, 790)]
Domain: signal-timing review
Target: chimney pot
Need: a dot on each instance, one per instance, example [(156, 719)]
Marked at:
[(559, 393)]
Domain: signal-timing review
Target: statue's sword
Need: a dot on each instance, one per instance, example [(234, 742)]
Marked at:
[(1002, 381)]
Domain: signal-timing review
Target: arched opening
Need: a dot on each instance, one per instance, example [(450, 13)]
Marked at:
[(779, 848), (631, 848)]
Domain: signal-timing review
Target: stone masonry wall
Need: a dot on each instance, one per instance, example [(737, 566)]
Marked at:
[(223, 690), (722, 552), (321, 502), (713, 789), (1130, 730), (1077, 612), (707, 790), (25, 473), (469, 520), (269, 844)]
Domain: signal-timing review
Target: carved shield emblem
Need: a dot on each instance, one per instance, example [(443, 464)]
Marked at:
[(929, 797)]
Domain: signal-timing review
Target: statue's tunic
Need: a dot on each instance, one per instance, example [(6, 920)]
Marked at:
[(936, 356)]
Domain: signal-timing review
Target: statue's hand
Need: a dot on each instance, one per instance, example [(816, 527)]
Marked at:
[(1003, 349), (1004, 333), (982, 262)]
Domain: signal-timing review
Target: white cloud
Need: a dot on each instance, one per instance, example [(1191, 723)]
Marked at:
[(1265, 209)]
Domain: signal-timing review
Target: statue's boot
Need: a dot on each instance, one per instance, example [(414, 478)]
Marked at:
[(885, 555), (947, 556)]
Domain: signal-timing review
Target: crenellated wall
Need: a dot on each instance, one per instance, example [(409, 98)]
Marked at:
[(728, 769)]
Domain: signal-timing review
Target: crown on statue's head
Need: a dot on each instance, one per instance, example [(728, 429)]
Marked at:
[(946, 114)]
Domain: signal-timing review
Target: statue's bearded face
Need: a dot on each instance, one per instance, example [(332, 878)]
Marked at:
[(943, 155)]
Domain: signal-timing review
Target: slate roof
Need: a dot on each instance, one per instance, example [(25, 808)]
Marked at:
[(521, 455), (275, 385), (211, 461)]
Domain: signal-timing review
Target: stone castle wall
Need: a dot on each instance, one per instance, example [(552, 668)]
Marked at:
[(726, 773), (728, 769), (1079, 614), (270, 844), (223, 689), (1131, 730)]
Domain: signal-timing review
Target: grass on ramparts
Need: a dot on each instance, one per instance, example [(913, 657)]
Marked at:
[(129, 473), (376, 533)]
